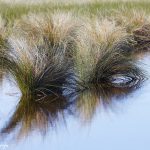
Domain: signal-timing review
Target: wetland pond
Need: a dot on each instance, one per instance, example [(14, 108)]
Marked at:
[(94, 122)]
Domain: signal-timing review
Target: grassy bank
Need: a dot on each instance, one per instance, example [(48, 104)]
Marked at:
[(51, 46)]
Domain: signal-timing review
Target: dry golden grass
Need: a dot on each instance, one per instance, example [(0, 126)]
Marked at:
[(2, 32), (39, 51), (101, 53), (97, 47), (63, 1), (142, 37), (131, 19), (58, 28)]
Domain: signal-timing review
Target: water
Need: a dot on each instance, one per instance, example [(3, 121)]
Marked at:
[(94, 122)]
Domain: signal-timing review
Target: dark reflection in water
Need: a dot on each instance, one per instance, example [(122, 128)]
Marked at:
[(41, 115), (89, 101), (31, 115), (1, 76)]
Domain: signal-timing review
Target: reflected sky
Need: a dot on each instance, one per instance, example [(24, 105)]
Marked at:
[(109, 120)]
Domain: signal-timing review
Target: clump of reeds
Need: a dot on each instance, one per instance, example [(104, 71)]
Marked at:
[(35, 70), (142, 38), (2, 27), (44, 49), (131, 19), (3, 45), (136, 22), (2, 34), (100, 57), (58, 28), (38, 57)]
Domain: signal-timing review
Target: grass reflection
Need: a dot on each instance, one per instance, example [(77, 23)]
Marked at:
[(89, 101), (40, 115), (1, 77), (31, 115)]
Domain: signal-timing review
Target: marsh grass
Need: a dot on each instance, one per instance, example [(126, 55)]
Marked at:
[(136, 23), (14, 11), (59, 60), (47, 48), (59, 29), (2, 33), (142, 37), (38, 57), (131, 19), (102, 56), (35, 70), (3, 45)]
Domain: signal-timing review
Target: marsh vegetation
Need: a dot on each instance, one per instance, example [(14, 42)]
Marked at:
[(65, 55)]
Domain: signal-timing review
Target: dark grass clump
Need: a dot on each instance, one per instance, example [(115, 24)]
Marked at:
[(3, 33), (3, 45), (104, 57), (39, 57), (142, 38), (45, 49), (113, 69), (37, 70)]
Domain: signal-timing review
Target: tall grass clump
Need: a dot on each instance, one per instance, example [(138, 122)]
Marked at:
[(3, 45), (101, 59), (2, 34), (142, 38), (39, 55), (131, 19), (136, 22), (58, 28)]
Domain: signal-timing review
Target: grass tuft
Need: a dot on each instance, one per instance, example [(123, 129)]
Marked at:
[(100, 57), (39, 61), (142, 37)]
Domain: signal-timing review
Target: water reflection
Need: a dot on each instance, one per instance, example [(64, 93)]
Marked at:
[(31, 115), (1, 76), (52, 111), (89, 101)]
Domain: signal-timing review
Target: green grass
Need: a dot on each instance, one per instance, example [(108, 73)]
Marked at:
[(12, 12)]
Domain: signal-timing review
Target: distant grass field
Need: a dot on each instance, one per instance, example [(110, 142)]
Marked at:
[(15, 11)]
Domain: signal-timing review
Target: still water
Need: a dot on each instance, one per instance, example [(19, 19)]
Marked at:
[(94, 122)]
